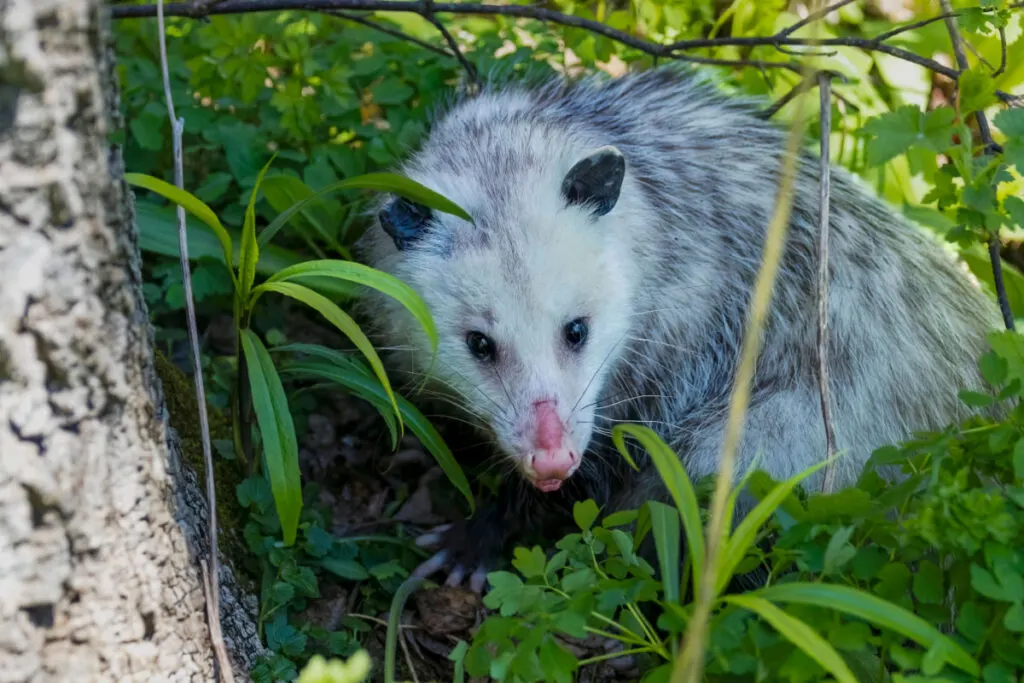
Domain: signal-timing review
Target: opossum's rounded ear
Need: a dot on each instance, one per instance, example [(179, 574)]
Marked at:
[(404, 221), (596, 181)]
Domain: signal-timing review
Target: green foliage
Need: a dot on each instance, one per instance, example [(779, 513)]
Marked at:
[(857, 580), (264, 388), (337, 102)]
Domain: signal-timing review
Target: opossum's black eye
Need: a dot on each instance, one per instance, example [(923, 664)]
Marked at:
[(576, 333), (481, 346), (596, 181), (404, 221)]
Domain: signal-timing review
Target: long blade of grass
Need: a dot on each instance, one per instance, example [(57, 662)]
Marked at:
[(336, 367), (190, 203), (798, 633), (875, 610), (279, 443), (368, 277), (345, 324), (250, 251), (665, 525), (737, 544), (678, 484), (381, 182)]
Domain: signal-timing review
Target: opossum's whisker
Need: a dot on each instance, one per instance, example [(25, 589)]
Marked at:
[(594, 376), (600, 405)]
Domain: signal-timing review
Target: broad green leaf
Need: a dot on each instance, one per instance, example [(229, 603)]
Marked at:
[(339, 319), (1011, 122), (188, 202), (872, 609), (280, 447), (798, 633), (584, 512), (284, 192), (381, 182), (665, 526), (368, 277), (743, 538), (366, 386), (678, 484), (250, 250)]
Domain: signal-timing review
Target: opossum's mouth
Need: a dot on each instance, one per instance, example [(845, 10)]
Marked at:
[(548, 485)]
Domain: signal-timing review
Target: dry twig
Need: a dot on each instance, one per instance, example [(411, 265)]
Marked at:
[(689, 665), (990, 145), (211, 580), (825, 89), (678, 50)]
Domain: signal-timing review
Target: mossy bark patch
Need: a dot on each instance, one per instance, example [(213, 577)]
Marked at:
[(182, 407)]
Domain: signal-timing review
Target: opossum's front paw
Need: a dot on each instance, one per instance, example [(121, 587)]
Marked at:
[(463, 548)]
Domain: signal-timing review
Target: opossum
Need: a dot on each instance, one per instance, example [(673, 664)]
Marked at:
[(618, 225)]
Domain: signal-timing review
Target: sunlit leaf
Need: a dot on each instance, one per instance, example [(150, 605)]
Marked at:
[(798, 633), (281, 450)]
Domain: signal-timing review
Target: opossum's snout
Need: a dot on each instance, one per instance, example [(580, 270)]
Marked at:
[(552, 459)]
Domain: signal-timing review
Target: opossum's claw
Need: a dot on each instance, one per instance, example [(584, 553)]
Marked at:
[(433, 538), (478, 580), (431, 566), (461, 562)]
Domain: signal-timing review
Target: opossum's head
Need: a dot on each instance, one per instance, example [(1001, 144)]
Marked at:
[(532, 299)]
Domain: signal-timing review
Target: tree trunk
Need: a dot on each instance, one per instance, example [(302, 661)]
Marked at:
[(101, 523)]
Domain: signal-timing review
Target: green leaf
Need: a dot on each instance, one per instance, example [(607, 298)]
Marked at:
[(975, 399), (584, 512), (1011, 122), (873, 610), (530, 563), (342, 321), (620, 518), (250, 251), (281, 450), (188, 202), (146, 131), (1014, 206), (977, 90), (380, 182), (368, 277), (302, 578), (665, 526), (391, 91), (745, 534), (678, 484), (838, 551), (284, 192), (897, 131), (798, 633), (928, 583), (1018, 459), (346, 569), (255, 491), (337, 367)]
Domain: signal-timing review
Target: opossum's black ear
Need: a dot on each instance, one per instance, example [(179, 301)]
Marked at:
[(405, 221), (596, 180)]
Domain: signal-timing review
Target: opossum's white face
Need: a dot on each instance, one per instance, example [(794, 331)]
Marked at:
[(531, 304)]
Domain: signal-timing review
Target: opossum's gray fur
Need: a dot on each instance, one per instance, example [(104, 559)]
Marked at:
[(907, 324)]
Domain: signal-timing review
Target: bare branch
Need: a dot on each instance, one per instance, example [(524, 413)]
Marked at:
[(453, 45), (212, 581), (676, 50), (813, 16), (1002, 54), (825, 89), (356, 19), (990, 145)]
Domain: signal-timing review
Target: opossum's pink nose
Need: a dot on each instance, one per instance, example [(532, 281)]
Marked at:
[(549, 429), (552, 468), (551, 462)]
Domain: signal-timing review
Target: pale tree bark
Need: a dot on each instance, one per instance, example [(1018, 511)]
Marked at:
[(101, 523)]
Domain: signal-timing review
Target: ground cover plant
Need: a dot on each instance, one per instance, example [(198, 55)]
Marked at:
[(914, 580)]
